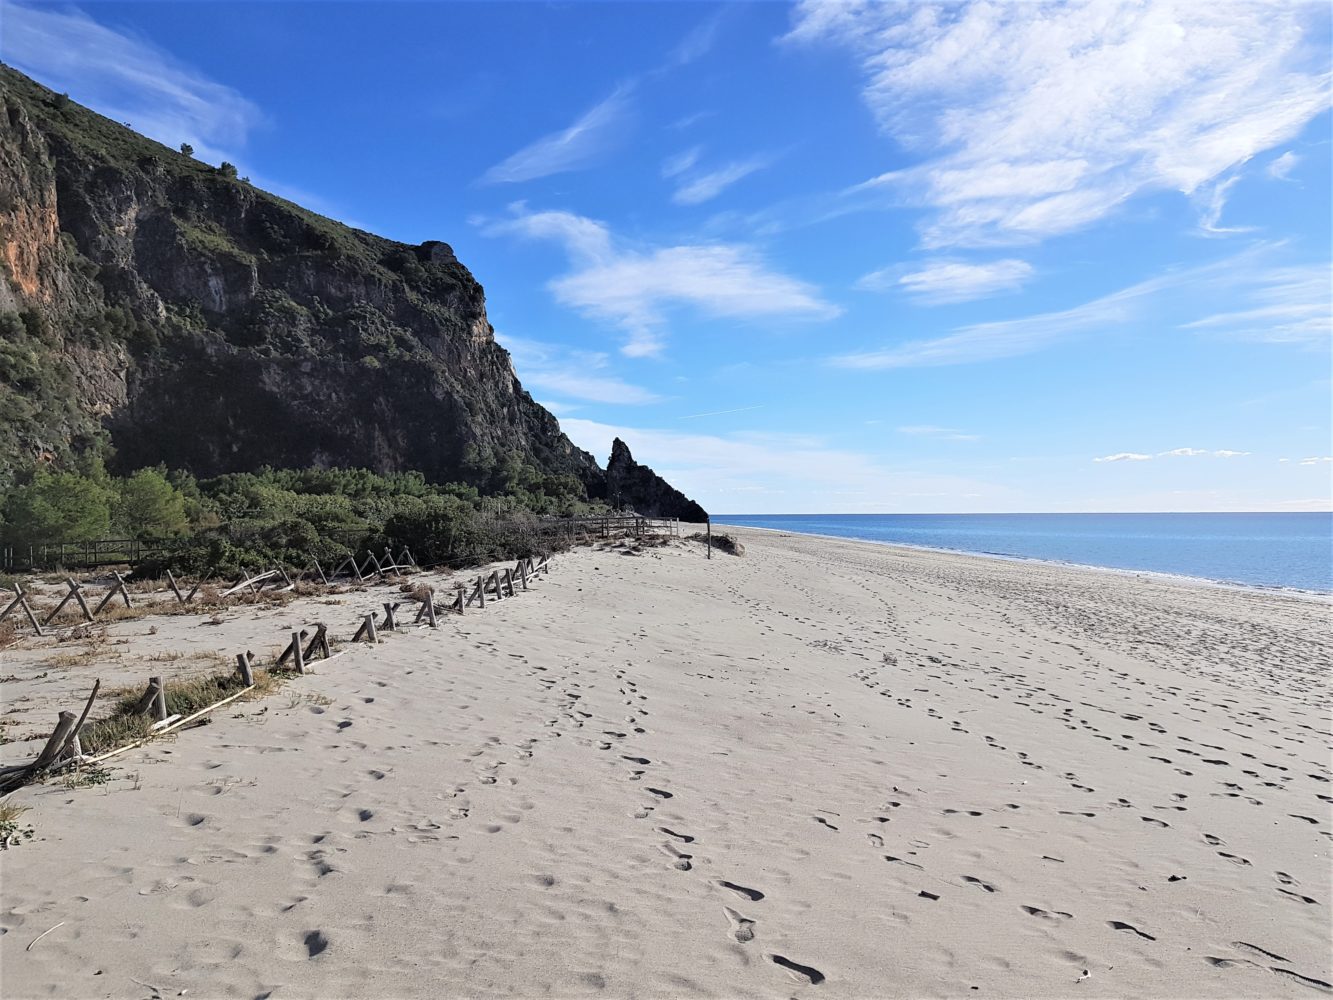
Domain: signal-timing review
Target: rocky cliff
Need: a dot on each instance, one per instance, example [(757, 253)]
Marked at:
[(158, 309), (629, 484)]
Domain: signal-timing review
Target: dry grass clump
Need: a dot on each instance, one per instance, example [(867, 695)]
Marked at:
[(184, 697)]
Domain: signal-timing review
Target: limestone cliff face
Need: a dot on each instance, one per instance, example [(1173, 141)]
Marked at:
[(629, 484), (201, 322)]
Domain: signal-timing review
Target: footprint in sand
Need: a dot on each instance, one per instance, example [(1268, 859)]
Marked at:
[(742, 928), (801, 973), (753, 895)]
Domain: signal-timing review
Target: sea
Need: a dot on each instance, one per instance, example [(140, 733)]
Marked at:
[(1274, 550)]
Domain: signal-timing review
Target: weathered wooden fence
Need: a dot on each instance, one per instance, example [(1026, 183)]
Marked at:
[(307, 646)]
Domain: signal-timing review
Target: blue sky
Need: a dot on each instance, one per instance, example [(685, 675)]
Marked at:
[(822, 257)]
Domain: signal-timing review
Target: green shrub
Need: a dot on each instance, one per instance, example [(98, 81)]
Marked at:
[(60, 507)]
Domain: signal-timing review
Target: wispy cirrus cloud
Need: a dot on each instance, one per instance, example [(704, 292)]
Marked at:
[(605, 125), (1281, 167), (128, 78), (943, 281), (574, 147), (581, 375), (635, 288), (1286, 305), (1007, 338), (698, 187), (1292, 308), (1033, 119)]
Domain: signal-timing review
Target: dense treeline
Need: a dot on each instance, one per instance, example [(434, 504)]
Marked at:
[(291, 515)]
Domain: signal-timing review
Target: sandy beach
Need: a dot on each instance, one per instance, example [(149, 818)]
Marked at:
[(823, 768)]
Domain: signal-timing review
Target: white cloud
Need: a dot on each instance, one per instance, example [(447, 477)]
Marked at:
[(635, 288), (1034, 119), (127, 78), (942, 433), (1124, 456), (681, 162), (698, 188), (1212, 199), (1131, 456), (780, 472), (1287, 305), (1281, 167), (1007, 338), (572, 374), (1316, 460), (1296, 310), (943, 281), (572, 148)]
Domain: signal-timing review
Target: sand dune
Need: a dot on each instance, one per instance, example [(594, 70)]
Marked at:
[(823, 769)]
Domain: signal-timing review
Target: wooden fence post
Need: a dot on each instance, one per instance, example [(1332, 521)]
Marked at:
[(159, 698), (20, 601), (171, 582), (390, 622), (367, 629), (72, 595), (523, 573), (297, 656), (65, 724), (428, 609), (246, 671)]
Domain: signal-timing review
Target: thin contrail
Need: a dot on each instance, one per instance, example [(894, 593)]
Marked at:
[(718, 413)]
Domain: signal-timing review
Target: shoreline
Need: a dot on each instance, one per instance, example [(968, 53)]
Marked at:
[(1318, 596)]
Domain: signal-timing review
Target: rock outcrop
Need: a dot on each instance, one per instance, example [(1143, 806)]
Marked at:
[(629, 484), (158, 309)]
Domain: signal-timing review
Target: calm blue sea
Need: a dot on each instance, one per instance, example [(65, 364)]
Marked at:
[(1263, 550)]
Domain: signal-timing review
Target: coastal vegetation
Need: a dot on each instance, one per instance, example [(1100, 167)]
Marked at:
[(291, 516)]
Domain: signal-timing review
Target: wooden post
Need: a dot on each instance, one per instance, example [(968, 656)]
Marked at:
[(20, 601), (318, 643), (481, 593), (124, 590), (367, 630), (159, 698), (72, 595), (245, 670), (195, 589), (710, 538), (320, 570), (509, 582), (65, 725), (171, 582), (288, 652), (495, 582), (460, 602), (390, 622), (430, 608), (297, 655), (523, 573)]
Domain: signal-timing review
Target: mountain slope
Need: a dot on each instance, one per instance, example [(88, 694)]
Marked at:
[(180, 315)]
